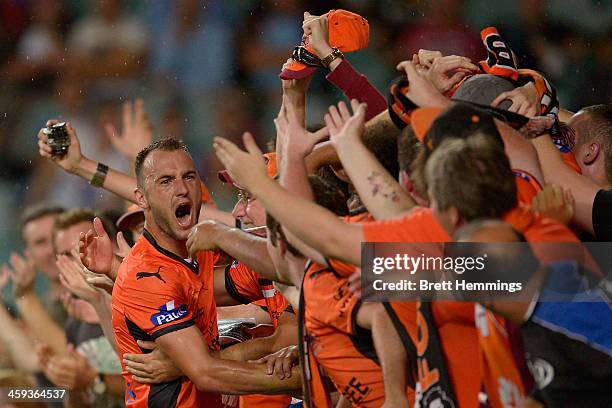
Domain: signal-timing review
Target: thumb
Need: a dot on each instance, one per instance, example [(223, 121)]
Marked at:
[(306, 14), (147, 345), (320, 134), (500, 98), (410, 69), (99, 228)]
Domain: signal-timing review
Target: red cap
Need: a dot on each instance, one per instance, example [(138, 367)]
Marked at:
[(133, 216), (347, 32)]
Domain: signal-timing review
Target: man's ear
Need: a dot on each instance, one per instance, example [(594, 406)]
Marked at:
[(141, 199), (592, 152)]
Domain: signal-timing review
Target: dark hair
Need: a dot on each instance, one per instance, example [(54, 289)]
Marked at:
[(474, 176), (168, 144), (325, 195), (381, 139), (599, 128), (35, 212)]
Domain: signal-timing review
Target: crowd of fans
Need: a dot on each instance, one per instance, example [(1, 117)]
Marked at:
[(461, 121)]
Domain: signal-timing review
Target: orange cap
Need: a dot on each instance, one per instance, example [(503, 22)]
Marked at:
[(421, 120), (347, 31), (271, 169)]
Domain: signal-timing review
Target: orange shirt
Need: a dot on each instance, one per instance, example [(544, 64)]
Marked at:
[(247, 286), (455, 320), (157, 292)]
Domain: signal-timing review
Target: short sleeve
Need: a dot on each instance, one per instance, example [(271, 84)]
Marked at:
[(242, 283), (602, 215), (419, 225), (158, 306)]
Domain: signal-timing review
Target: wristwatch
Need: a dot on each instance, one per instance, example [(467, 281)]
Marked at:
[(336, 53)]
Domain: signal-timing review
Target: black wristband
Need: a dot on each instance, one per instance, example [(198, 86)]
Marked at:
[(99, 176)]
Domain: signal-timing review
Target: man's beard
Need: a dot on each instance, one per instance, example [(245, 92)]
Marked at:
[(164, 223)]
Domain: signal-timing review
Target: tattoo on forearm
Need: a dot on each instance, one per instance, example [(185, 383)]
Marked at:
[(383, 187)]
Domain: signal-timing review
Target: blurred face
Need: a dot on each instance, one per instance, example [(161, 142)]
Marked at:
[(249, 211), (38, 238), (172, 193), (66, 240)]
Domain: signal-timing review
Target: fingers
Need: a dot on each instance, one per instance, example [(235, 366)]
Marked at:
[(500, 98), (335, 115), (126, 117), (344, 112), (147, 345), (99, 228), (452, 62), (287, 363), (137, 372), (250, 145), (271, 366)]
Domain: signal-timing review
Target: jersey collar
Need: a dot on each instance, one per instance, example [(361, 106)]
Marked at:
[(193, 266)]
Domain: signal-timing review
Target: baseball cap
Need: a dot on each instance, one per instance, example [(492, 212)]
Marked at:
[(347, 31), (434, 125), (132, 217), (271, 169)]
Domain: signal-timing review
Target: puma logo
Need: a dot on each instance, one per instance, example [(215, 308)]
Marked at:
[(140, 275)]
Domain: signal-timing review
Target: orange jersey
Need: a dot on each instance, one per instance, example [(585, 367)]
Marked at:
[(343, 351), (246, 286), (527, 187), (157, 292)]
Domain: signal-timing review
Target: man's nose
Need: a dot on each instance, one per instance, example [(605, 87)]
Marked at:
[(180, 187)]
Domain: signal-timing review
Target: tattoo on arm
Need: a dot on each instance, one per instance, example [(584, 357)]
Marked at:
[(383, 187)]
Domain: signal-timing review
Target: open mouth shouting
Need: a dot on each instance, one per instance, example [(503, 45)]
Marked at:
[(183, 214)]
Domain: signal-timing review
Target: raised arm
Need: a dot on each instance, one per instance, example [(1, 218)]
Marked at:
[(32, 311), (247, 248), (75, 163), (315, 225), (556, 172), (378, 190)]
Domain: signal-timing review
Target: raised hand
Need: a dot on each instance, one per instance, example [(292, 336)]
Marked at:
[(344, 127), (22, 272), (73, 277), (71, 160), (71, 371), (421, 90), (247, 168), (297, 141), (202, 237), (446, 72), (554, 202), (525, 100), (96, 249), (137, 130), (317, 34)]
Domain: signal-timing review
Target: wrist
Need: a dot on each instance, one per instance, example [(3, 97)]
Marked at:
[(322, 50), (84, 168)]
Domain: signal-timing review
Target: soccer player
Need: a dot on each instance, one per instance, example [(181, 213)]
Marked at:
[(161, 295)]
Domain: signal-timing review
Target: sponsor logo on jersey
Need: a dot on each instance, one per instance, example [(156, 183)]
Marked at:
[(169, 313)]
